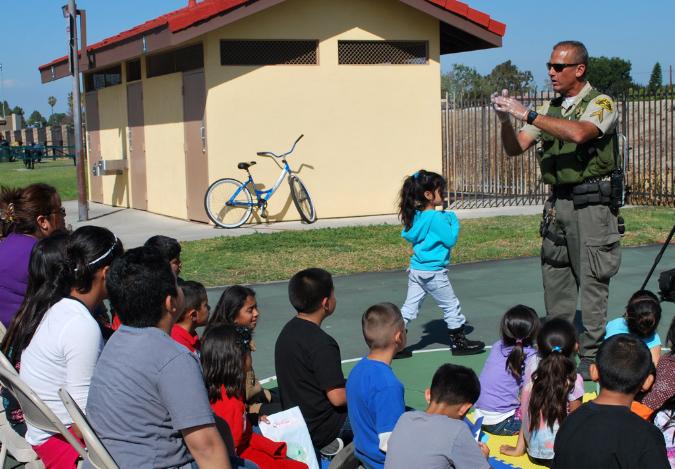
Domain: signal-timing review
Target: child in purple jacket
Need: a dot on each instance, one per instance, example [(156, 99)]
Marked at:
[(502, 377)]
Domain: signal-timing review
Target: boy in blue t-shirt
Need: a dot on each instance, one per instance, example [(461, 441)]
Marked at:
[(374, 394)]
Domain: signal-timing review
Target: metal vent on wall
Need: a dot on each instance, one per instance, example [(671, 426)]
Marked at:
[(383, 52), (268, 52), (103, 78), (177, 60)]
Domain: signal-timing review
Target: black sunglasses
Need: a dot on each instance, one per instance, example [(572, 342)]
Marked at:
[(559, 67)]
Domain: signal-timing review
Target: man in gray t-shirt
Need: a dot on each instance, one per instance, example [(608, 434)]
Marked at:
[(145, 390), (147, 400)]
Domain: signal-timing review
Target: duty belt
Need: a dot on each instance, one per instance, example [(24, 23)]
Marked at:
[(595, 190), (563, 192)]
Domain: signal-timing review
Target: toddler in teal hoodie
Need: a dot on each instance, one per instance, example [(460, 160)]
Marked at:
[(432, 234)]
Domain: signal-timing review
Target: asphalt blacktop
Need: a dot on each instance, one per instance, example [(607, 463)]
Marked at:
[(485, 289)]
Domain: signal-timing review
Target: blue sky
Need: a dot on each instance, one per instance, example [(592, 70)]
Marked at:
[(34, 33)]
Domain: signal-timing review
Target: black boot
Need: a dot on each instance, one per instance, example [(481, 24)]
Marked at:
[(461, 345)]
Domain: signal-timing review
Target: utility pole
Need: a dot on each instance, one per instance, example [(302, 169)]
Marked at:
[(80, 164)]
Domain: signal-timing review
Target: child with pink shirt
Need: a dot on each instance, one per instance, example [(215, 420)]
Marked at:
[(551, 391)]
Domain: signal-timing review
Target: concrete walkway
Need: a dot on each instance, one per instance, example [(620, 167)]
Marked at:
[(133, 227)]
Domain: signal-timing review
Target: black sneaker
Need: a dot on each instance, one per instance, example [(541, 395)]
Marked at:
[(405, 353), (584, 368), (332, 448), (463, 346)]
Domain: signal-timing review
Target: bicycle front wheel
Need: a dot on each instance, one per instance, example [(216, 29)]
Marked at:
[(228, 203), (303, 202)]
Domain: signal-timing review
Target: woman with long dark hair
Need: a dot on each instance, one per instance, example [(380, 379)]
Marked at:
[(45, 288), (67, 342), (26, 215)]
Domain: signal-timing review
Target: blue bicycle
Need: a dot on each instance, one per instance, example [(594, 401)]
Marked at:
[(229, 203)]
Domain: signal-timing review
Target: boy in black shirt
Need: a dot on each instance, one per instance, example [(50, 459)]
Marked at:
[(605, 433), (308, 363)]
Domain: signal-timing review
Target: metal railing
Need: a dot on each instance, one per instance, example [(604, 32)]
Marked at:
[(480, 174)]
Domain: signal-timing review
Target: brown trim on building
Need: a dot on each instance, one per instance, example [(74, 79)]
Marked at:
[(457, 34)]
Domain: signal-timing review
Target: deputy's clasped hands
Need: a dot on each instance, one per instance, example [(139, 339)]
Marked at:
[(505, 105)]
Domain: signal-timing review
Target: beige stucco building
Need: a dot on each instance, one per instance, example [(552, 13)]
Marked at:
[(185, 97)]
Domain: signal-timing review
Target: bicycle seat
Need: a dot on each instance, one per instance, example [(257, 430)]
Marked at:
[(245, 165)]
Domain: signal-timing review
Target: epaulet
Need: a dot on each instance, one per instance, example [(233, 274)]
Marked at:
[(594, 93)]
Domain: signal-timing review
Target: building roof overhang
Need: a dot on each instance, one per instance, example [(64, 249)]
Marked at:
[(462, 29)]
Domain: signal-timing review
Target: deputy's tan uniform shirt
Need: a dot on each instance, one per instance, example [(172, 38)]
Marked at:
[(601, 112)]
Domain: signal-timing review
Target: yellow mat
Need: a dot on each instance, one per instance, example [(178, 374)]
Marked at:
[(522, 462)]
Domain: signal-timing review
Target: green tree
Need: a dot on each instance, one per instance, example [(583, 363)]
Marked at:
[(59, 118), (609, 75), (462, 80), (21, 112), (37, 119), (507, 76), (656, 79)]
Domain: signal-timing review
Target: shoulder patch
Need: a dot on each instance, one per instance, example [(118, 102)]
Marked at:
[(605, 103)]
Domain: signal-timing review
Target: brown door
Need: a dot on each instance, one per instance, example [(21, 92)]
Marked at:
[(196, 157), (136, 136), (94, 142)]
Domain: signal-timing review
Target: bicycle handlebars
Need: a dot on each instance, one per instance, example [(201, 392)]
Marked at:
[(269, 153)]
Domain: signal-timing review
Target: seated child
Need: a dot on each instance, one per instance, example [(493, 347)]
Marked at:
[(642, 317), (438, 438), (604, 433), (147, 402), (552, 389), (195, 315), (308, 365), (660, 400), (238, 305), (502, 377), (170, 248), (226, 359), (374, 395)]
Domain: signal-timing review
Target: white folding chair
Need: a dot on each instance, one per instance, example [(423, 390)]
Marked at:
[(12, 442), (35, 411), (96, 453), (3, 331), (345, 459), (6, 364)]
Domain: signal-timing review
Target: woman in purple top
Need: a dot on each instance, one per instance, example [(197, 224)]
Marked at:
[(26, 215), (502, 377)]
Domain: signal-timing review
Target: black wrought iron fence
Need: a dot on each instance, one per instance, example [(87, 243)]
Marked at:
[(480, 174)]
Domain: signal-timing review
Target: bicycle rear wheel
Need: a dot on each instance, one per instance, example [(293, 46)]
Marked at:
[(303, 202), (228, 203)]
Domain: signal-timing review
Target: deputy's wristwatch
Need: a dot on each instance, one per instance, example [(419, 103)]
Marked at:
[(531, 116)]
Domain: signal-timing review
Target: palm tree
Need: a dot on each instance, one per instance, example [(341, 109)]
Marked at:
[(52, 102)]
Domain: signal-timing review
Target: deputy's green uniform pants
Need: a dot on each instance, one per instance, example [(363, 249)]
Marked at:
[(593, 255)]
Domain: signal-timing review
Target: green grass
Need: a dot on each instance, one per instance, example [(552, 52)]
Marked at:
[(277, 256), (59, 173)]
